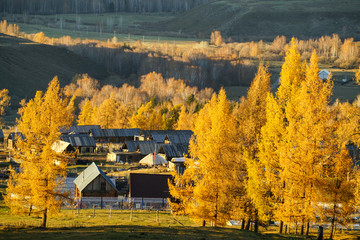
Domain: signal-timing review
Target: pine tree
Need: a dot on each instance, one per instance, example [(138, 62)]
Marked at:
[(36, 187)]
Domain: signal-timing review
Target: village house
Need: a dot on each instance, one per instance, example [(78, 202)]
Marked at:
[(83, 143), (79, 129), (93, 182), (112, 139)]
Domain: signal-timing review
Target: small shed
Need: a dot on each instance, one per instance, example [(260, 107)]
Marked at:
[(324, 74), (152, 160), (178, 165), (113, 156), (93, 182)]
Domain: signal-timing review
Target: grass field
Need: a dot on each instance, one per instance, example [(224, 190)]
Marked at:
[(68, 224)]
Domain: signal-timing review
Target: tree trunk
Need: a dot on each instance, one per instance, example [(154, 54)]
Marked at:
[(302, 229), (43, 225), (247, 227), (256, 222), (281, 227), (307, 228), (286, 229), (243, 224), (203, 223), (30, 209), (333, 223)]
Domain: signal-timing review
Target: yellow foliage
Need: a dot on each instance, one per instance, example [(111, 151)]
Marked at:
[(36, 188)]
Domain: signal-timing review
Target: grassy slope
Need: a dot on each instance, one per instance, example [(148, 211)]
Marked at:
[(262, 19), (26, 67)]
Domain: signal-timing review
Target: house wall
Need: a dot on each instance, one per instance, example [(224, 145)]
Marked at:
[(99, 187)]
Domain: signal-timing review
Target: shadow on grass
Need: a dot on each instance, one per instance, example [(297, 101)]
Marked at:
[(133, 232)]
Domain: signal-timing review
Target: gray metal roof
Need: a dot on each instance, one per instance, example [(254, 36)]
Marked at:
[(174, 136), (104, 133), (146, 147), (179, 136), (80, 129), (1, 134), (88, 175), (130, 145), (174, 150), (79, 140)]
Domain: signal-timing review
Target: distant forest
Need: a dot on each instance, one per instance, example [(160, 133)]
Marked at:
[(96, 6)]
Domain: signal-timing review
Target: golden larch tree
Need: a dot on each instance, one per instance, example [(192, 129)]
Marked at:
[(214, 150), (36, 187)]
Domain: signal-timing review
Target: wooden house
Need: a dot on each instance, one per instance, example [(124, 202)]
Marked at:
[(78, 129), (114, 135), (81, 142), (134, 151), (93, 182)]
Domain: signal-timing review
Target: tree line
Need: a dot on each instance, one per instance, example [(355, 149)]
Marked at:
[(96, 6), (273, 157)]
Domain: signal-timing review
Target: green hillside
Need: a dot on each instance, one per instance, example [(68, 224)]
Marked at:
[(26, 67), (261, 19)]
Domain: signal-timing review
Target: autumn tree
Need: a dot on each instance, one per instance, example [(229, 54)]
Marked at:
[(213, 149), (299, 145), (251, 117), (4, 101), (86, 114), (357, 75), (36, 187)]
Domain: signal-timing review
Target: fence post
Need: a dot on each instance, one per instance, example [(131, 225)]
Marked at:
[(157, 216), (110, 210), (131, 215), (93, 210)]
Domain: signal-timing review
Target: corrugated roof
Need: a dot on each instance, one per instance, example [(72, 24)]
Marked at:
[(179, 136), (174, 136), (88, 175), (105, 133), (146, 147), (173, 150), (79, 140), (80, 129)]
